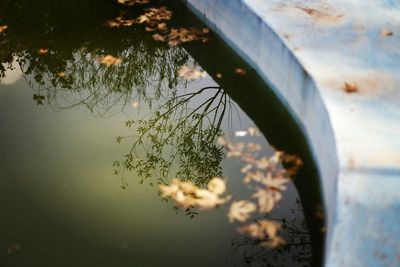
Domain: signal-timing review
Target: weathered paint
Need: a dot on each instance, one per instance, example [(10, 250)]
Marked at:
[(307, 51)]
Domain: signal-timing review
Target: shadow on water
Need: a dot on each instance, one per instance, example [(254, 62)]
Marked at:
[(59, 56)]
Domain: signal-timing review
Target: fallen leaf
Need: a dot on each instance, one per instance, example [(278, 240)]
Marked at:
[(241, 210), (110, 60), (132, 2), (350, 87), (3, 28), (267, 199), (43, 51), (386, 32), (240, 72), (158, 37), (261, 230), (217, 186), (61, 74), (191, 73), (119, 22), (218, 75)]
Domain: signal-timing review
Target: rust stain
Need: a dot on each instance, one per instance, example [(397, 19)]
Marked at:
[(322, 15)]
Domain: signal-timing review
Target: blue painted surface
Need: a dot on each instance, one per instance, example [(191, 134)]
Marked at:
[(307, 51)]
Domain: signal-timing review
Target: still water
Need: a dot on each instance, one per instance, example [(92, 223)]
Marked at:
[(63, 111)]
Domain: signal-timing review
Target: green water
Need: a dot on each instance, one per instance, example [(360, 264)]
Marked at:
[(61, 204)]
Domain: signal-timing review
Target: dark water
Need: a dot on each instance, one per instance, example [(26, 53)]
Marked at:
[(60, 112)]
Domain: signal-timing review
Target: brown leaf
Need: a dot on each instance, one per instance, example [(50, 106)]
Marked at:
[(350, 87), (240, 72), (110, 60), (386, 32), (43, 51), (132, 2), (3, 28)]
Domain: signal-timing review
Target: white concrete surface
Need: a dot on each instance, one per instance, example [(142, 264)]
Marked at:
[(307, 50)]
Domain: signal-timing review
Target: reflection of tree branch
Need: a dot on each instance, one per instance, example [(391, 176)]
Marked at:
[(177, 134)]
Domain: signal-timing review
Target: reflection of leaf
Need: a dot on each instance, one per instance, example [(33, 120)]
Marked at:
[(109, 60), (241, 210), (38, 98)]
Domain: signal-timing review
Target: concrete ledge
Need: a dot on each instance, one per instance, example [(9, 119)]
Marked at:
[(307, 51)]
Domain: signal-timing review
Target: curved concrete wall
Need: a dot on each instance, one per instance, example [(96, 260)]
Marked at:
[(335, 64)]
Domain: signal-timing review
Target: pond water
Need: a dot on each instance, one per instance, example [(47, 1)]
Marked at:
[(75, 96)]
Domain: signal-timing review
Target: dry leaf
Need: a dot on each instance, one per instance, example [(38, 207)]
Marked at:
[(218, 75), (350, 87), (186, 194), (61, 74), (110, 60), (132, 2), (43, 51), (261, 230), (267, 199), (217, 186), (190, 73), (386, 32), (241, 210), (3, 28), (119, 22), (158, 37), (240, 72), (273, 243)]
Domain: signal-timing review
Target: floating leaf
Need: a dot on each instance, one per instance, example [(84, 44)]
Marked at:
[(3, 28), (43, 51), (190, 73), (241, 210), (132, 2), (119, 22), (110, 60), (240, 72)]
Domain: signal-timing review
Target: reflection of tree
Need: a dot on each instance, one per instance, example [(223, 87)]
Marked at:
[(295, 252), (70, 74), (178, 138)]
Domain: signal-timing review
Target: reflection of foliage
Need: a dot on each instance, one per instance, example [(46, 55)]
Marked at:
[(180, 136), (295, 252), (69, 73)]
